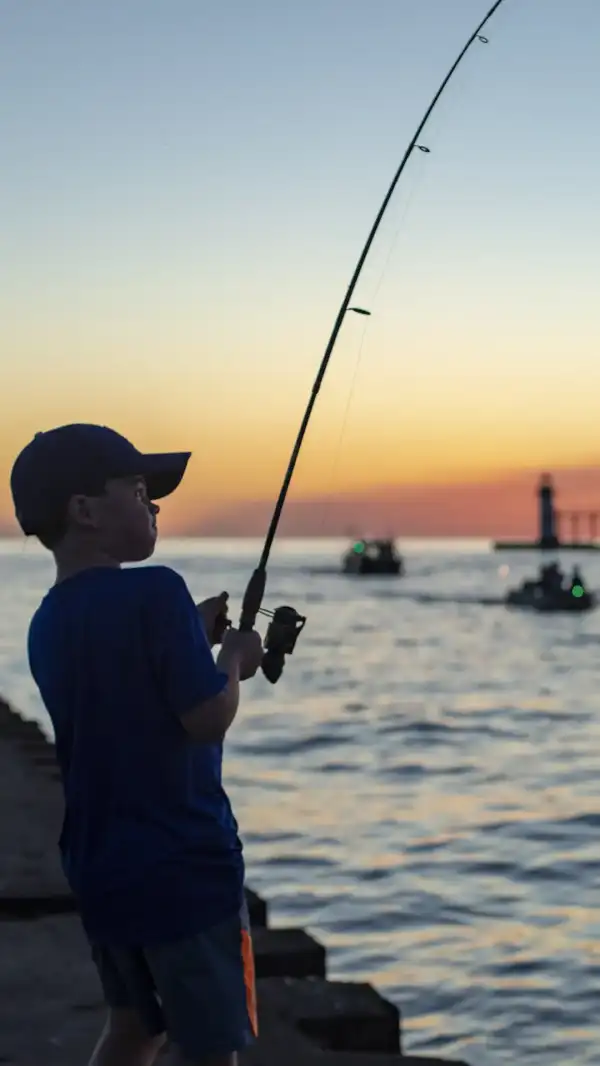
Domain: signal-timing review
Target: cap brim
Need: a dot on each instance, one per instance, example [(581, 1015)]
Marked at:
[(163, 472)]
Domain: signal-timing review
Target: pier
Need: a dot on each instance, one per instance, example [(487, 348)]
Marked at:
[(551, 524), (51, 1008)]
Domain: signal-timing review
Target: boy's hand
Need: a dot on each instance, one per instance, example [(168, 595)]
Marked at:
[(214, 615), (246, 649)]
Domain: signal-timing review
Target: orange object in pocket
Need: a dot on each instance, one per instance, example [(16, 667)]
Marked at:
[(250, 980)]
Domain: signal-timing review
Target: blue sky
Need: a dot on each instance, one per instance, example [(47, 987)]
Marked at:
[(186, 186)]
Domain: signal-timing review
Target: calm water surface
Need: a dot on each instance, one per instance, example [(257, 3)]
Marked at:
[(420, 790)]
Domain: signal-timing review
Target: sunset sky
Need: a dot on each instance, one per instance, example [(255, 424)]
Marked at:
[(185, 189)]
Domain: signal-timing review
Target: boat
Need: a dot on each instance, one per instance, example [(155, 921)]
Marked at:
[(368, 557), (537, 597)]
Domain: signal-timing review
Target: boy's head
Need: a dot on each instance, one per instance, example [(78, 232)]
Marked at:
[(87, 487)]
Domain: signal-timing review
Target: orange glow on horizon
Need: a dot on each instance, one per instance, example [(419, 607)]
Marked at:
[(439, 418), (461, 487)]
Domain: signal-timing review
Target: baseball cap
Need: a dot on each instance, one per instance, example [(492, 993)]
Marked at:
[(81, 458)]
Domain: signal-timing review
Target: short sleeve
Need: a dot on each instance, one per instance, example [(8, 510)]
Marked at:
[(181, 655)]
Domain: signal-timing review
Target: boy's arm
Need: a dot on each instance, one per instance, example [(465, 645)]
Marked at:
[(209, 721), (204, 695)]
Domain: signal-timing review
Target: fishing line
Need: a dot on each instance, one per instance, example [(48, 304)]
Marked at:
[(372, 302), (328, 502), (439, 124)]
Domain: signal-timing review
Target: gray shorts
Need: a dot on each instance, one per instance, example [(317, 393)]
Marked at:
[(200, 991)]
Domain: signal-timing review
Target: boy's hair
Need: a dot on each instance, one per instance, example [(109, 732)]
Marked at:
[(79, 459), (50, 542), (51, 536)]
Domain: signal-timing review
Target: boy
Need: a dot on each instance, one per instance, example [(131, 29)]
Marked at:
[(140, 708)]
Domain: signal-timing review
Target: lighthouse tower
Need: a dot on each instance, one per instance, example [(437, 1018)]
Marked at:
[(549, 525), (547, 515)]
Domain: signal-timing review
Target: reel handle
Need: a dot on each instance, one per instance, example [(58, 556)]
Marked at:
[(222, 624)]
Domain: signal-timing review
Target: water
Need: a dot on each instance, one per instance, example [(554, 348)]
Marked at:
[(420, 790)]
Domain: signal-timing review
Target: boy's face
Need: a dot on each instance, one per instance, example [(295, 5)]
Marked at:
[(122, 520)]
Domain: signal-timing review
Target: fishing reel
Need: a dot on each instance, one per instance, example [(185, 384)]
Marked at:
[(285, 625), (284, 628)]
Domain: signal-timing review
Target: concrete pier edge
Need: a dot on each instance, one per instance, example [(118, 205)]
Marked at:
[(51, 1009)]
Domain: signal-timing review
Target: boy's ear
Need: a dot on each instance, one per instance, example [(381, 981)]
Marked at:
[(80, 511)]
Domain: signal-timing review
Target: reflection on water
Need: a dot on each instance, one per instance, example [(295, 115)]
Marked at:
[(420, 790)]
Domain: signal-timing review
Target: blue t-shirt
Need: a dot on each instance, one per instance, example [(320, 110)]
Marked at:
[(149, 842)]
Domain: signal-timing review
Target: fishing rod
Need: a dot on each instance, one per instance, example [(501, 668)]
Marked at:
[(286, 623)]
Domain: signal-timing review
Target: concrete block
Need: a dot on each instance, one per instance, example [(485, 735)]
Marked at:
[(287, 953), (257, 909), (279, 1043), (336, 1015)]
